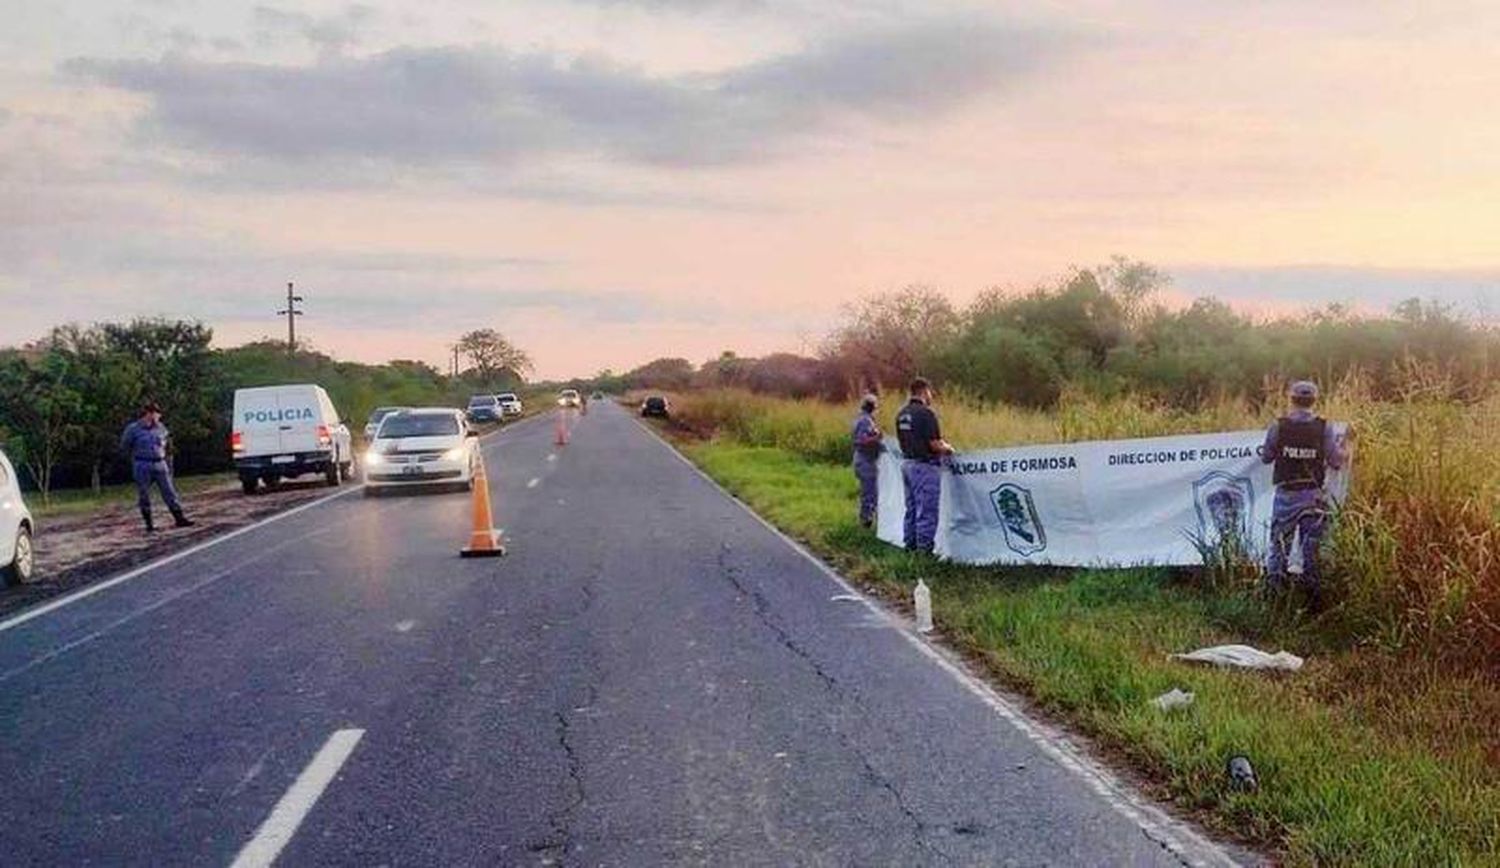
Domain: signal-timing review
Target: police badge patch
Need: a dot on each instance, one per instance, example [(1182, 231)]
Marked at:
[(1016, 510), (1226, 507)]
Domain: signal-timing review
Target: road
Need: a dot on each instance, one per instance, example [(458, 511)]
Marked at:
[(650, 676)]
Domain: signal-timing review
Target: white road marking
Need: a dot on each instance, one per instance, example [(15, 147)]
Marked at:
[(281, 825), (405, 626), (552, 456), (1173, 835), (533, 483), (105, 585)]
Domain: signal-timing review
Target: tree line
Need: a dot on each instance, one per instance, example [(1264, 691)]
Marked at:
[(1106, 331), (65, 398)]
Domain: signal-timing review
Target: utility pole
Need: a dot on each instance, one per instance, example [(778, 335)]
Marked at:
[(455, 361), (291, 313)]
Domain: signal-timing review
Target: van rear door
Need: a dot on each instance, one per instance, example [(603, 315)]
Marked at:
[(302, 411)]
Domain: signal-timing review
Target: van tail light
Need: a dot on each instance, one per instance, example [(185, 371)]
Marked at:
[(237, 442), (324, 437)]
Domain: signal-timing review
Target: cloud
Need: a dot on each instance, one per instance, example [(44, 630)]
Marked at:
[(486, 105), (329, 33)]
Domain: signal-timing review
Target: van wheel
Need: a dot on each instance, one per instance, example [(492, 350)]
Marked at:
[(22, 567), (249, 482)]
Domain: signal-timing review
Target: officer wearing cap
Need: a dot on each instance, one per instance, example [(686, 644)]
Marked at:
[(867, 449), (924, 449), (145, 442), (1302, 447)]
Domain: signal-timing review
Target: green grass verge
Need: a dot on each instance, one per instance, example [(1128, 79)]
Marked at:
[(1355, 767)]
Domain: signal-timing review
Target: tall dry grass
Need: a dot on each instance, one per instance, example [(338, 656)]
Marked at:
[(1413, 561)]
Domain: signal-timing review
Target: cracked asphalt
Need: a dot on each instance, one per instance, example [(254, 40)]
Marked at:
[(649, 677)]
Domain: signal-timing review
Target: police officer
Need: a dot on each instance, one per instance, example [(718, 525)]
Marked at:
[(1302, 447), (145, 443), (924, 449), (867, 449)]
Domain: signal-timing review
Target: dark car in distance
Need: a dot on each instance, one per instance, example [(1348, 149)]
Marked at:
[(657, 406), (484, 408)]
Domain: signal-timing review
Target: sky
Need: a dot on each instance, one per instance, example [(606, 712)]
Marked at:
[(608, 181)]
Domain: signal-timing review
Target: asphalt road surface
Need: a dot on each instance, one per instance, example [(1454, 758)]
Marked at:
[(651, 676)]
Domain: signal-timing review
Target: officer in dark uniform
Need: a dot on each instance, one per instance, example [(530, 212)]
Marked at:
[(145, 443), (924, 449), (867, 449), (1302, 447)]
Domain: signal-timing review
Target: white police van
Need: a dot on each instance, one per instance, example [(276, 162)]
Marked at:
[(282, 432)]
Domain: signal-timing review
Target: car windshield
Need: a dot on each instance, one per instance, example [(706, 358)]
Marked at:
[(481, 400), (380, 413), (507, 397), (418, 425)]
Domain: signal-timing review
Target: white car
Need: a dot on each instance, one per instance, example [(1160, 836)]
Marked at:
[(510, 403), (422, 446), (569, 398), (17, 558), (282, 432)]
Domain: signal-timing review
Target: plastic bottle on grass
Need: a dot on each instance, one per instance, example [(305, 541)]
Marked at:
[(922, 599)]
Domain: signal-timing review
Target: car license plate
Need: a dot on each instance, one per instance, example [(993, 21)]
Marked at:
[(412, 471), (283, 459)]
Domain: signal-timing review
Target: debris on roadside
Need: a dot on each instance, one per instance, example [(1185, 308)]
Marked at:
[(1242, 657), (1174, 698), (1241, 774)]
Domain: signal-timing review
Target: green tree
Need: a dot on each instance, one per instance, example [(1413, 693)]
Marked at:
[(40, 410), (493, 358)]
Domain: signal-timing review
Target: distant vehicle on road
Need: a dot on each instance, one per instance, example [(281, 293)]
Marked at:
[(282, 432), (374, 421), (656, 405), (597, 396), (17, 558), (510, 404), (420, 447), (484, 408), (569, 398)]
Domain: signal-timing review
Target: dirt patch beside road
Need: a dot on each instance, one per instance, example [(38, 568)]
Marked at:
[(77, 549)]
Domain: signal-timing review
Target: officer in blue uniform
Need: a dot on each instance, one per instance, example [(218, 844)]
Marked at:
[(145, 443), (867, 449), (1302, 447), (924, 449)]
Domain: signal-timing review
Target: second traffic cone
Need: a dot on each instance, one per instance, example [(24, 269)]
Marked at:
[(485, 541)]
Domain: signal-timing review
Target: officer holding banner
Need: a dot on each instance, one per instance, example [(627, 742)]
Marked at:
[(924, 449), (867, 449), (1302, 446)]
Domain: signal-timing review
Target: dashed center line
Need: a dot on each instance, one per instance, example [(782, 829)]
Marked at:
[(278, 829), (533, 483)]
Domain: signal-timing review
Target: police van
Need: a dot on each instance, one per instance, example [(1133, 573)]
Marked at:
[(283, 432)]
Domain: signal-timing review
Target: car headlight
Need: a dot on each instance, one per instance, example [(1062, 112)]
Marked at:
[(373, 458), (454, 454)]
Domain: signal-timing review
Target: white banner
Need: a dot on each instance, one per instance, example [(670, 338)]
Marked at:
[(1101, 503)]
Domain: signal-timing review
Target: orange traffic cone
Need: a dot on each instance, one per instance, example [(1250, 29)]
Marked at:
[(562, 429), (485, 541)]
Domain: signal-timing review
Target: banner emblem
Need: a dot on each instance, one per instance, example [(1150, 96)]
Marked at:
[(1016, 510), (1225, 505)]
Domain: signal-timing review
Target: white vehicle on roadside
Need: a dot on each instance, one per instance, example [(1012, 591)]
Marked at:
[(17, 557), (510, 403), (282, 432), (422, 446)]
